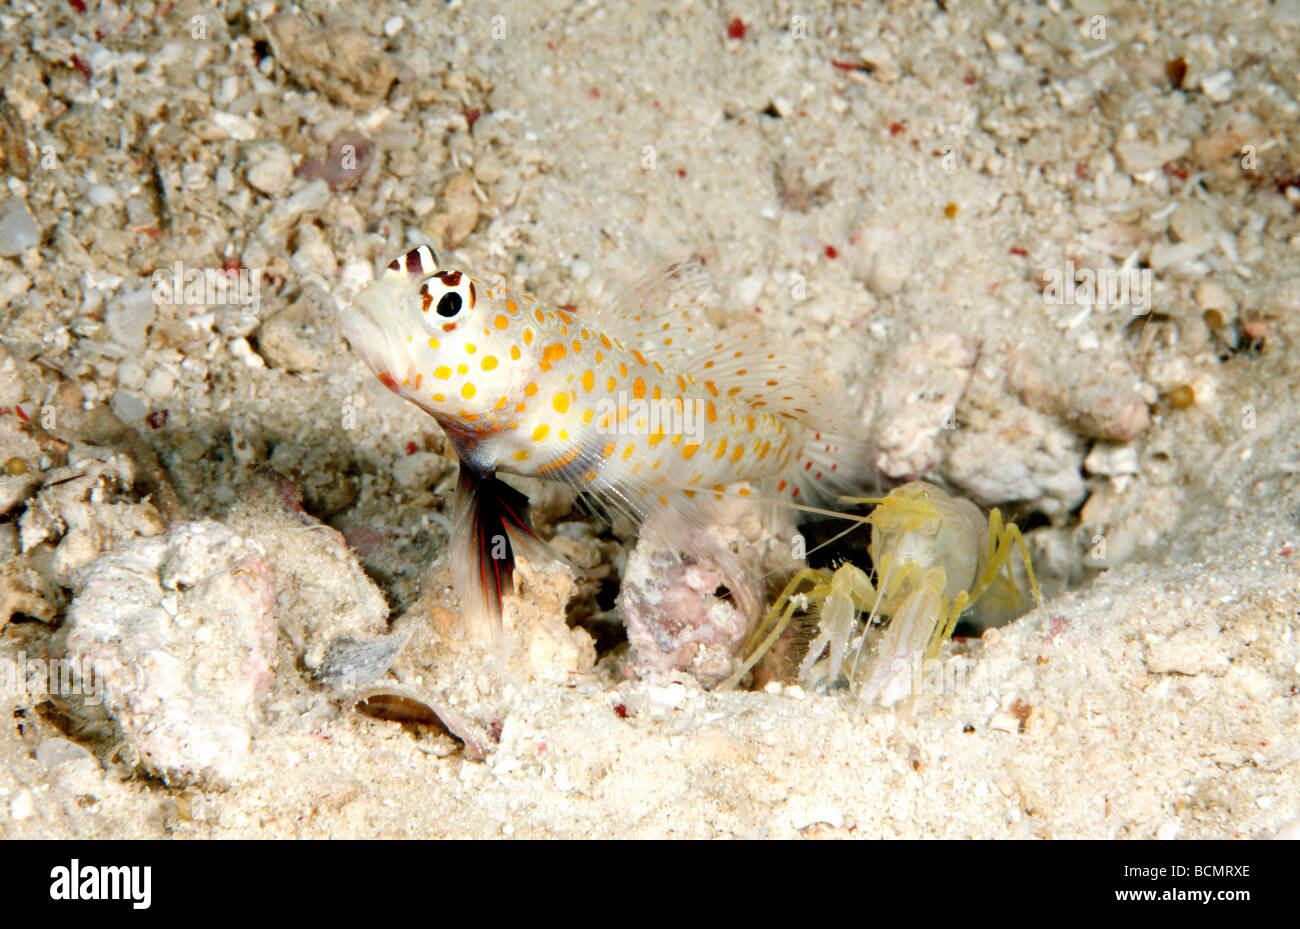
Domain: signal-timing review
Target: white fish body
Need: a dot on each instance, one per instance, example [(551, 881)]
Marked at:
[(629, 405)]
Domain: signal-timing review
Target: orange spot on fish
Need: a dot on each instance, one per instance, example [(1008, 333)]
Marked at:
[(565, 459), (552, 354)]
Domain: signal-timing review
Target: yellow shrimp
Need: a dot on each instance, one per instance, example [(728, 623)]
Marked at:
[(931, 566)]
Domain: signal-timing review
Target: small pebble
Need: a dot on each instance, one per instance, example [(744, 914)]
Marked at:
[(270, 169), (128, 318), (748, 289), (1218, 306), (1189, 223), (880, 61), (128, 406), (668, 697), (879, 257), (101, 195), (130, 374), (1218, 86), (1290, 831), (1112, 460), (308, 200), (54, 752), (18, 231), (22, 806), (159, 384), (1182, 397)]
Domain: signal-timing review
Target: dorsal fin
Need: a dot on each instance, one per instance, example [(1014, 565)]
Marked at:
[(660, 314), (662, 317)]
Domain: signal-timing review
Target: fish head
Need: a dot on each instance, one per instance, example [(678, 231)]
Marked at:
[(433, 337)]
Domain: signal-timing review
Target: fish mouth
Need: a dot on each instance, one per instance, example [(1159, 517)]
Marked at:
[(376, 324), (374, 344), (364, 335), (358, 328)]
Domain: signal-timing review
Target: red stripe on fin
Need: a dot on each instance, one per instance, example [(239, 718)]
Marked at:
[(491, 522)]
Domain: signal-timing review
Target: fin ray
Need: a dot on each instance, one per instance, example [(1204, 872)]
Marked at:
[(492, 520)]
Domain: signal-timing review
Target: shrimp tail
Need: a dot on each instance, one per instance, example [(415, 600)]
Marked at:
[(491, 523)]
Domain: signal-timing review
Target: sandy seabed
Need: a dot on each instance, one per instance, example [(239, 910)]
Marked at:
[(211, 493)]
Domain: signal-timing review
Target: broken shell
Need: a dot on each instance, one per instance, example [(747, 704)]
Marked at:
[(401, 704)]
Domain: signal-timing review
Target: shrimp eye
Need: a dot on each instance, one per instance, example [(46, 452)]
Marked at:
[(449, 305)]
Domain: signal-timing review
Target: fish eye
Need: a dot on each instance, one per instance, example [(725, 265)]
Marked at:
[(447, 293), (449, 305)]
